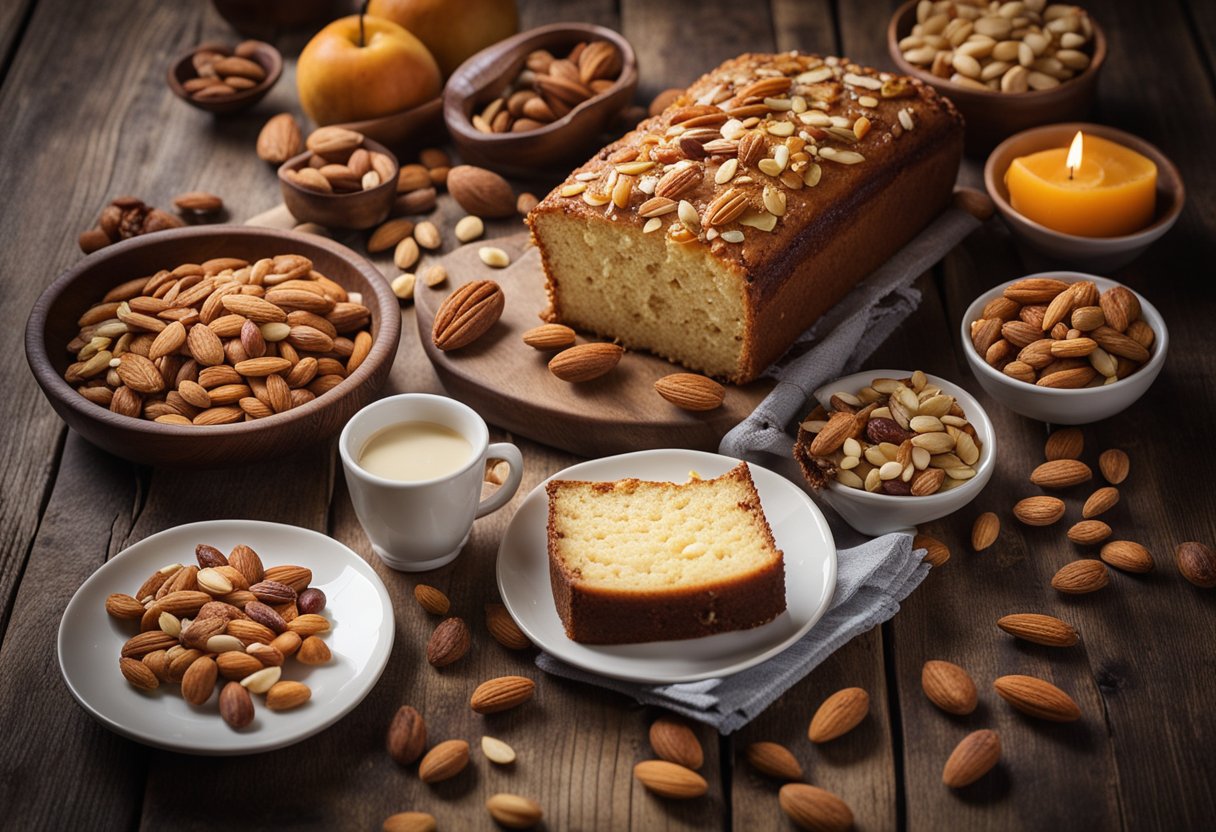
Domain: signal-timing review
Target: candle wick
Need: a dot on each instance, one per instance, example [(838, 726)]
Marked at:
[(1070, 170)]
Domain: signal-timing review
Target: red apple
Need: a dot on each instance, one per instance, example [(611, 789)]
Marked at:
[(343, 75), (452, 29)]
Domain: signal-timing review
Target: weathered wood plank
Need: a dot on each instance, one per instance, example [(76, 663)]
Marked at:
[(12, 17)]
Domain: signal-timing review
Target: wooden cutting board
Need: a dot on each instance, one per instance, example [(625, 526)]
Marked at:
[(510, 385)]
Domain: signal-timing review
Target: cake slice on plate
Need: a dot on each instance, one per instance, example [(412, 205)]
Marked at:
[(634, 561)]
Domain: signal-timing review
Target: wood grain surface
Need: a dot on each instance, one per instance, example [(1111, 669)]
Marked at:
[(85, 115)]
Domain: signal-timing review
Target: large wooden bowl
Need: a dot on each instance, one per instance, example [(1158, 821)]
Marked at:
[(52, 324), (570, 138)]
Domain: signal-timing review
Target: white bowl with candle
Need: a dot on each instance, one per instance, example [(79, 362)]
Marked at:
[(1060, 406), (1092, 193)]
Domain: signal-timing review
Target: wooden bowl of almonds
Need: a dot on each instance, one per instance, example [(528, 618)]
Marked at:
[(539, 99), (222, 79), (342, 180), (213, 346), (1006, 66)]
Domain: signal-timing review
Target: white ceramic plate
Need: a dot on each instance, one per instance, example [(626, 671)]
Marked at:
[(361, 640), (798, 527)]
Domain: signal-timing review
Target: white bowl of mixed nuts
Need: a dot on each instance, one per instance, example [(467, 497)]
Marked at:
[(891, 449), (1064, 347)]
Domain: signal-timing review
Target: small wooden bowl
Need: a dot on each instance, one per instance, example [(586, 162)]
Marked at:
[(358, 210), (52, 324), (1097, 254), (993, 116), (406, 127), (182, 70), (482, 77)]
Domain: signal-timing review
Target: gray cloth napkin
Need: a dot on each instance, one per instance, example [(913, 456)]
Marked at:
[(873, 576)]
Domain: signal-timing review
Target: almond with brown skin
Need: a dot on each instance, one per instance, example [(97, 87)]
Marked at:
[(1114, 465), (1100, 502), (813, 808), (1061, 473), (247, 563), (296, 577), (840, 427), (936, 552), (501, 694), (280, 139), (548, 337), (285, 695), (406, 736), (840, 713), (1037, 698), (1197, 563), (138, 674), (985, 530), (504, 629), (467, 314), (972, 758), (388, 234), (199, 682), (236, 705), (1089, 532), (690, 391), (198, 202), (1039, 511), (513, 811), (449, 643), (949, 687), (585, 362), (1081, 577), (670, 780), (1033, 290), (481, 192), (1036, 628), (444, 761), (432, 600), (410, 822), (1128, 556), (674, 741), (773, 760), (124, 606)]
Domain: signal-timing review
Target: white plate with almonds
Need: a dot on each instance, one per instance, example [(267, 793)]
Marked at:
[(359, 639), (799, 531)]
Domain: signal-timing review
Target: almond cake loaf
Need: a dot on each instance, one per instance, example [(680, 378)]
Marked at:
[(716, 232)]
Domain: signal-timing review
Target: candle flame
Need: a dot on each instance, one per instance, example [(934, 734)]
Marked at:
[(1074, 154)]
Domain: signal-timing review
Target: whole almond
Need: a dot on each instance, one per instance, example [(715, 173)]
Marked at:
[(432, 600), (199, 202), (236, 665), (1114, 465), (1100, 502), (513, 811), (410, 822), (1039, 511), (449, 643), (1061, 473), (1035, 290), (670, 780), (1037, 698), (840, 713), (773, 760), (690, 391), (266, 655), (283, 696), (549, 337), (675, 742), (389, 234), (1064, 444), (585, 361), (972, 758), (1120, 306), (811, 807), (138, 674), (949, 687), (481, 192), (1081, 577), (272, 592), (1128, 556), (1036, 628), (444, 761), (199, 682), (1089, 532), (255, 632), (504, 629), (280, 139), (124, 606), (236, 705), (985, 530), (936, 552), (406, 736), (467, 314), (313, 651), (296, 577), (139, 373), (1197, 563), (247, 562), (139, 646), (308, 624), (333, 142), (501, 694)]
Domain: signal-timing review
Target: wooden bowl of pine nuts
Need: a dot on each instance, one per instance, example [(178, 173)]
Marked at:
[(1006, 66)]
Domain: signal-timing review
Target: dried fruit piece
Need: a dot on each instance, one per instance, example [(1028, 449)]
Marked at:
[(949, 687), (773, 760), (444, 761), (513, 811), (985, 530), (1037, 698), (1081, 577), (1046, 630), (406, 736), (670, 780), (811, 807), (1197, 563), (674, 741), (840, 713), (972, 758), (1128, 556)]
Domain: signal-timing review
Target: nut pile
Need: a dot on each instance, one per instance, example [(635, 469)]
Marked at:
[(1051, 333), (550, 87), (219, 342), (228, 618), (221, 72), (903, 437), (339, 163), (125, 217), (1007, 47)]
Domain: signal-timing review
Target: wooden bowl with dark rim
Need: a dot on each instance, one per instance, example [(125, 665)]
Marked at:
[(991, 117), (265, 55), (482, 77), (52, 324), (357, 209)]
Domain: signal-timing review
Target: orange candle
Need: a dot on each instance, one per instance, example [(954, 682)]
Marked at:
[(1095, 188)]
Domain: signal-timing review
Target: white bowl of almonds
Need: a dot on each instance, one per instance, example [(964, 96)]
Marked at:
[(1064, 347), (891, 449)]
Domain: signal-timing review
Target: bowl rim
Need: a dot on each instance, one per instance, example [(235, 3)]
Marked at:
[(1161, 339), (383, 348), (301, 159), (273, 67), (460, 124), (983, 471), (1097, 59), (1170, 183)]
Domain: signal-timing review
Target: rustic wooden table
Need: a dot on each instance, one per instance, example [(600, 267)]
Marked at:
[(85, 115)]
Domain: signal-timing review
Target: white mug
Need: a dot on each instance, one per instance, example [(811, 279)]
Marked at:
[(420, 525)]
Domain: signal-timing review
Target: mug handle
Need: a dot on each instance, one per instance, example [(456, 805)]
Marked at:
[(511, 455)]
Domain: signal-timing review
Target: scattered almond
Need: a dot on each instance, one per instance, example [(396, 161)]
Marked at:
[(840, 713), (585, 361), (1039, 511), (427, 235), (406, 736), (1061, 473), (670, 780), (1128, 556), (513, 811), (1197, 563), (449, 642), (1081, 577), (494, 257), (1089, 532), (985, 530), (972, 758), (403, 285), (434, 275), (1064, 443), (444, 761), (773, 760), (410, 822), (497, 751), (469, 228), (949, 687), (504, 629), (280, 139), (431, 599), (481, 192), (501, 694), (1114, 465), (1037, 698), (1036, 628), (674, 741), (811, 807), (467, 314), (549, 337), (1100, 502), (313, 651), (936, 552), (690, 391), (388, 234)]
